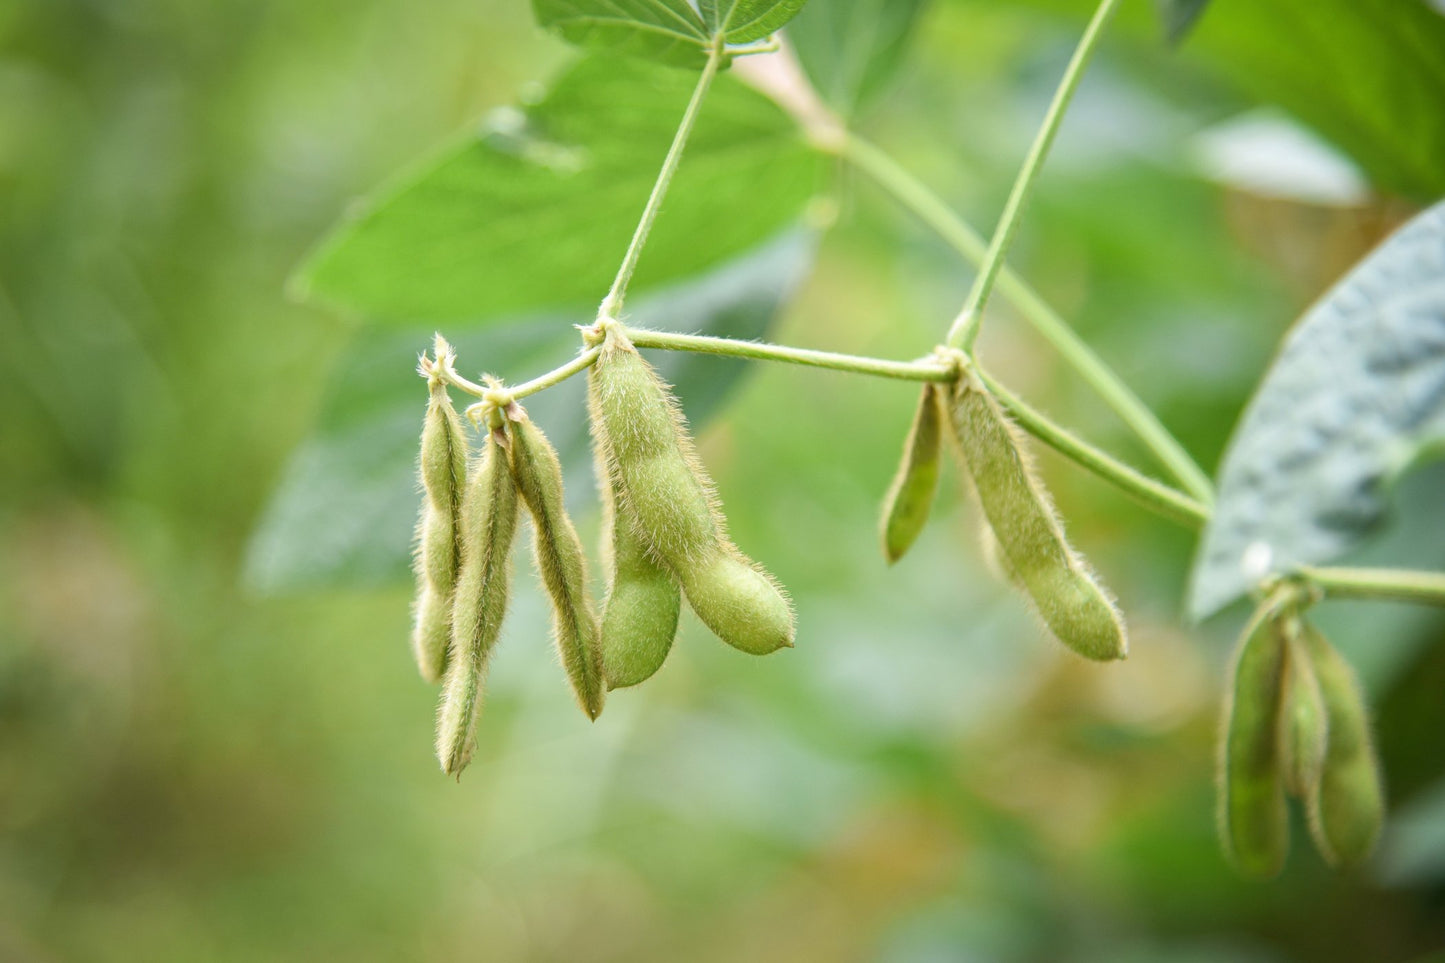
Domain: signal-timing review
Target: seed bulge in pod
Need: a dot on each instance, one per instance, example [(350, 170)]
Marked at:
[(489, 523), (639, 618)]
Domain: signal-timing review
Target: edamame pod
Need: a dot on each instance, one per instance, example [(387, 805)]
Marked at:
[(489, 522), (560, 560), (661, 486), (639, 619), (1347, 810), (910, 497), (1032, 547), (1253, 819), (443, 471), (1304, 725)]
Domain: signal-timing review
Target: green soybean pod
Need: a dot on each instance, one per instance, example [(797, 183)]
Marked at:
[(489, 523), (1304, 724), (443, 471), (910, 497), (1253, 819), (661, 486), (560, 560), (1032, 547), (644, 600), (1347, 811)]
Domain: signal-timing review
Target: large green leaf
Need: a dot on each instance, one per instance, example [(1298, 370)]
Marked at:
[(345, 506), (667, 30), (851, 48), (671, 31), (538, 212), (1356, 395)]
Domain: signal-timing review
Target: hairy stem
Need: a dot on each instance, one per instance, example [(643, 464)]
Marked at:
[(1402, 585), (965, 327), (612, 304), (929, 208), (925, 370)]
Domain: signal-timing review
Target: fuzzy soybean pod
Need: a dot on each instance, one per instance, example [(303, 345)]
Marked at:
[(443, 471), (1347, 810), (1304, 723), (1032, 548), (910, 497), (644, 599), (662, 487), (560, 560), (489, 522), (1253, 819)]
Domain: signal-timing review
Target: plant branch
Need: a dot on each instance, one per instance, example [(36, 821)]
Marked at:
[(612, 304), (926, 370), (1401, 585), (965, 327), (944, 221), (1154, 495)]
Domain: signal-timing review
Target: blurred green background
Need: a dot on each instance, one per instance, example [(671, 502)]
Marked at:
[(192, 768)]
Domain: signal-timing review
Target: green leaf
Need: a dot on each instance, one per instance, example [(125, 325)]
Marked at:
[(1179, 17), (345, 507), (538, 211), (666, 30), (1355, 396), (746, 20), (851, 48)]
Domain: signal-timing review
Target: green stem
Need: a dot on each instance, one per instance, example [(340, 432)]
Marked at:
[(927, 370), (965, 328), (1402, 585), (929, 208), (1153, 495), (612, 304)]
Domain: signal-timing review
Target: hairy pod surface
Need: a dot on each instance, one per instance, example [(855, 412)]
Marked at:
[(910, 497), (489, 523), (1347, 810), (560, 559), (1032, 548), (644, 600), (1304, 724), (443, 471), (1253, 819), (661, 486)]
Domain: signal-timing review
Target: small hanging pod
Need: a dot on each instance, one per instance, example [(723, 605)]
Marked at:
[(644, 599), (489, 523), (1253, 818), (1347, 811), (662, 487), (1032, 548), (560, 560), (1304, 723), (910, 497)]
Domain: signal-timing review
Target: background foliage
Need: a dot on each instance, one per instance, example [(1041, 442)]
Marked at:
[(209, 750)]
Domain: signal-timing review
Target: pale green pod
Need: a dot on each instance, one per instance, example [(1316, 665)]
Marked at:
[(558, 551), (1347, 811), (1032, 548), (1304, 724), (443, 471), (489, 523), (910, 496), (644, 600), (1253, 819), (662, 487)]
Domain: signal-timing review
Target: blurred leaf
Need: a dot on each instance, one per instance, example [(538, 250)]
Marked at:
[(345, 507), (1356, 394), (537, 211), (746, 20), (668, 30), (851, 48), (1179, 17)]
